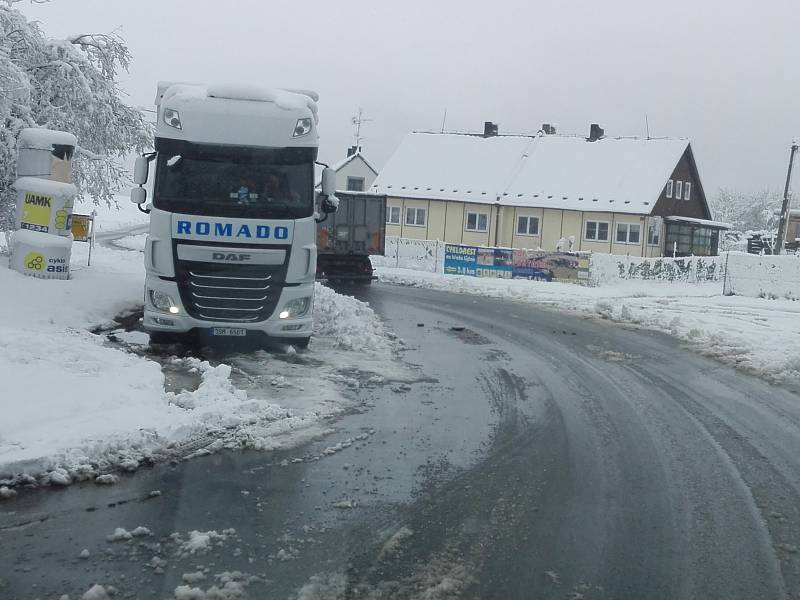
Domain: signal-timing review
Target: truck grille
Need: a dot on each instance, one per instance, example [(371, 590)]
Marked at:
[(221, 292)]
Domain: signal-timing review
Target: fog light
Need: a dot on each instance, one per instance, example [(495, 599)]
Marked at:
[(163, 302), (295, 308)]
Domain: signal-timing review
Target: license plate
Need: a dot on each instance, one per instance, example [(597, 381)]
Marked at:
[(231, 331)]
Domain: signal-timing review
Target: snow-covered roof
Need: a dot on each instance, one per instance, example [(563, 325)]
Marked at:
[(352, 157), (624, 175), (704, 222)]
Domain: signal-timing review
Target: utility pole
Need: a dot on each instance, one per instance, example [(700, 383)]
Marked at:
[(787, 196)]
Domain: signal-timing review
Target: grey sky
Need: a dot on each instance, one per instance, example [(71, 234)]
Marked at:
[(725, 73)]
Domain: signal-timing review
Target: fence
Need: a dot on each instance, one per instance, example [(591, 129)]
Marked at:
[(762, 276), (419, 255), (739, 273), (609, 268)]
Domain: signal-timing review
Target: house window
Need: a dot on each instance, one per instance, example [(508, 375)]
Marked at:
[(654, 234), (669, 189), (477, 222), (528, 225), (415, 216), (355, 184), (393, 215), (687, 191), (678, 190), (628, 233), (596, 231)]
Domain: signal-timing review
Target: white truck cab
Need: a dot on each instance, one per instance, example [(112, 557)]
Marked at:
[(232, 244)]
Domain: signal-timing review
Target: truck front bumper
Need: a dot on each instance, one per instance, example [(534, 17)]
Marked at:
[(156, 320)]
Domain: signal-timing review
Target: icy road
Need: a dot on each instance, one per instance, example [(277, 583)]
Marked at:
[(538, 455)]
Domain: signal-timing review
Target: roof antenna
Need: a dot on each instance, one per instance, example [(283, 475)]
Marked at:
[(647, 125), (359, 120), (444, 118)]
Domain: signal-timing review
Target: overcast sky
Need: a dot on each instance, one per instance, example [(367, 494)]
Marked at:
[(725, 73)]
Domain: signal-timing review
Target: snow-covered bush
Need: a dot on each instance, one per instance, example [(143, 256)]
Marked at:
[(68, 85)]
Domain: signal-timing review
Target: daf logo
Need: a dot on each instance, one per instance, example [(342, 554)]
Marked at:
[(231, 256)]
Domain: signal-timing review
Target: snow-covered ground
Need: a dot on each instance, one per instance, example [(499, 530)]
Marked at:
[(757, 335), (76, 407)]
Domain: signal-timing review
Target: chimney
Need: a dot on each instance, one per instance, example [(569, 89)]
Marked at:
[(352, 150), (548, 129), (595, 133), (489, 129)]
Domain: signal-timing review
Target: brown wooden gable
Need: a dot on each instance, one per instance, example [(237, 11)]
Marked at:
[(696, 206)]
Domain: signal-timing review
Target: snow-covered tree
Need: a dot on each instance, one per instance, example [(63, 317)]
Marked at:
[(68, 85), (747, 213)]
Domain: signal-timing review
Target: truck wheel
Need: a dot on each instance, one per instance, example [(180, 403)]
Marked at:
[(300, 343), (163, 337)]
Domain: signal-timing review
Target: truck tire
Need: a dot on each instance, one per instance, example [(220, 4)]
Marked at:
[(163, 338), (300, 343)]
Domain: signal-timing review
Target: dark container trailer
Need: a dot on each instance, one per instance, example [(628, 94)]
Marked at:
[(347, 238)]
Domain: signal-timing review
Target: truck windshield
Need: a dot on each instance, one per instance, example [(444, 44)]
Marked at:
[(234, 183)]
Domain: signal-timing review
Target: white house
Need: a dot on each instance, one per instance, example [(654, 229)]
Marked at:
[(354, 173)]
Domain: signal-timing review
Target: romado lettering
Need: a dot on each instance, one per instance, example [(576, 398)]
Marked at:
[(204, 228)]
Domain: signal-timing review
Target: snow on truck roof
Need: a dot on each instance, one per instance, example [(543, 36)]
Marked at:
[(624, 175), (287, 99)]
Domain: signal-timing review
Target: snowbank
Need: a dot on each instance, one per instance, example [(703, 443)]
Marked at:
[(74, 408), (743, 332), (763, 276)]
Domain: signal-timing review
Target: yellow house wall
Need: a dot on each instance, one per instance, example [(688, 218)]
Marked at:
[(551, 227), (629, 249), (592, 246), (572, 225), (475, 238), (531, 242), (415, 232), (454, 220), (394, 230), (508, 223), (435, 221), (446, 221)]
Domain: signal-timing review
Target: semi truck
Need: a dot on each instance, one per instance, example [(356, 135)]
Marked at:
[(231, 250), (347, 239)]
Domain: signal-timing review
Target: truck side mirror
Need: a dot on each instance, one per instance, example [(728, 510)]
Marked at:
[(140, 170), (328, 182), (138, 195)]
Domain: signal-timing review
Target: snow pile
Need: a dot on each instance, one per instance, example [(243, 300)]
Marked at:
[(201, 542), (350, 323), (763, 276), (743, 332), (75, 408), (229, 585)]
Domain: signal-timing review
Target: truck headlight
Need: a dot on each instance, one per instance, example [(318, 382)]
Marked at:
[(172, 118), (163, 302), (295, 308), (302, 127)]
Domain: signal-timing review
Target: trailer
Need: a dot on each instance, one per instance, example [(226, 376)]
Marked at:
[(347, 238)]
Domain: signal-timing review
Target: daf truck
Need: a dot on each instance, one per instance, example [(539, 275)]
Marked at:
[(231, 250)]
